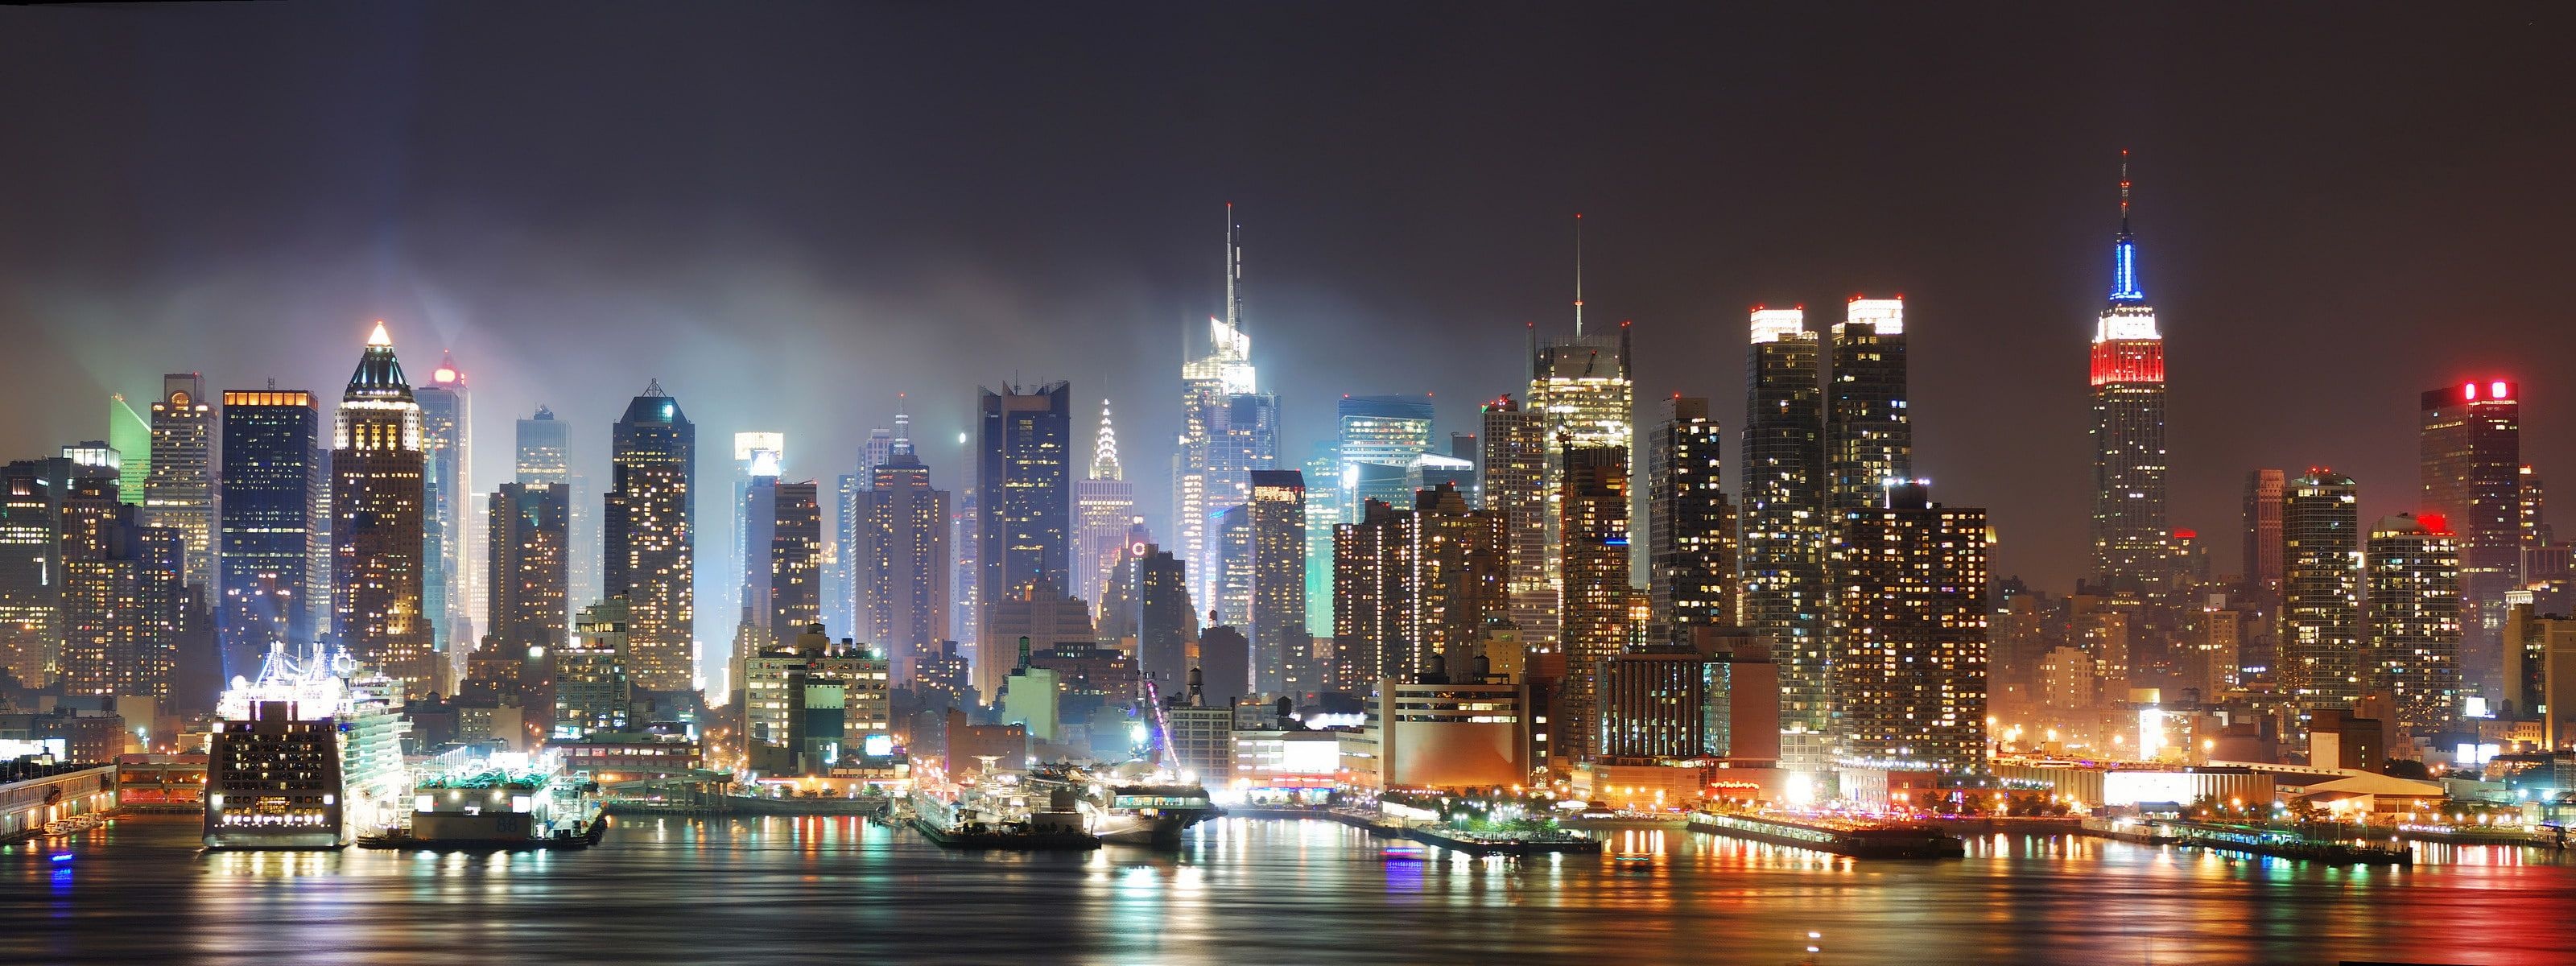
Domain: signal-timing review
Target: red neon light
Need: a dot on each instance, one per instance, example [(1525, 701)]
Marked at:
[(2469, 390), (2128, 360), (2186, 534), (2438, 524)]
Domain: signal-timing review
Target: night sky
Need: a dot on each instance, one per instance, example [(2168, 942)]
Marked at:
[(790, 212)]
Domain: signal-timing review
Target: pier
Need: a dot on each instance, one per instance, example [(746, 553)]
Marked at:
[(2248, 840), (1855, 838)]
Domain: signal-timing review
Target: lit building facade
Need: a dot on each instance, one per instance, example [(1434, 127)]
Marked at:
[(1909, 669), (2320, 650), (594, 686), (2411, 583), (1592, 501), (1104, 506), (1415, 587), (1783, 536), (178, 492), (648, 538), (757, 461), (1283, 653), (2128, 379), (2471, 463), (530, 564), (1690, 526), (1513, 481), (31, 567), (378, 510), (269, 526), (901, 561), (1869, 434), (1228, 427), (447, 447), (1022, 480), (2264, 491)]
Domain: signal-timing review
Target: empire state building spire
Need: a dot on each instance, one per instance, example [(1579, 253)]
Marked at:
[(2124, 257)]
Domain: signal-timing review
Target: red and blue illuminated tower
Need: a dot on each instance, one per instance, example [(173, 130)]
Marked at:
[(2128, 377)]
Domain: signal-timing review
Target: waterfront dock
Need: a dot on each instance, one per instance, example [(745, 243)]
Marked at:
[(2247, 840), (1458, 840), (1855, 838), (977, 839)]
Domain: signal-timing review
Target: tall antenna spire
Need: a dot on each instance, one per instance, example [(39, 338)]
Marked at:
[(1233, 270), (1578, 275), (2124, 250)]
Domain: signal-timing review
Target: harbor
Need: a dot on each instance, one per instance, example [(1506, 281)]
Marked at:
[(2249, 840)]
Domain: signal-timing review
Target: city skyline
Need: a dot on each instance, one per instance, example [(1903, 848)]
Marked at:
[(2276, 238)]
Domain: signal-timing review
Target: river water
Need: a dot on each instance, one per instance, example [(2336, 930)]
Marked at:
[(838, 890)]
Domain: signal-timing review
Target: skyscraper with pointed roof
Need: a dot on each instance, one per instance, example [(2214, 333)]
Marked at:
[(378, 508), (1581, 388), (1104, 505), (648, 537), (1228, 427), (2130, 530)]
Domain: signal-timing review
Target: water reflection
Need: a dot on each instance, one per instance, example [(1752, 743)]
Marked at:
[(838, 887)]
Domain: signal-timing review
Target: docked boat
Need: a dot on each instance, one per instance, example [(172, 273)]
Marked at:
[(307, 756), (969, 817), (1145, 809), (505, 802)]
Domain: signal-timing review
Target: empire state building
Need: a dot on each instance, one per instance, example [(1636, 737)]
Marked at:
[(2128, 376)]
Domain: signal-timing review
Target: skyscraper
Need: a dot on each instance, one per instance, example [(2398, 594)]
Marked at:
[(1104, 506), (531, 558), (2471, 466), (2320, 659), (1909, 662), (1165, 623), (1869, 435), (795, 559), (122, 594), (1593, 505), (270, 526), (2128, 377), (902, 561), (756, 457), (447, 449), (1228, 426), (1022, 476), (179, 488), (755, 527), (31, 568), (544, 443), (1282, 650), (1784, 534), (378, 507), (2264, 490), (1513, 472), (132, 436), (1417, 586), (1581, 388), (648, 537), (2412, 588), (1690, 527)]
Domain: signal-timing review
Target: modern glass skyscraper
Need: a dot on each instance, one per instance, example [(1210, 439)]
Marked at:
[(544, 443), (1783, 538), (1228, 426), (648, 537), (2130, 532), (2472, 476), (1022, 480), (132, 436), (1909, 662), (271, 524), (1283, 653), (31, 567), (1869, 435), (1593, 505), (447, 446), (530, 550), (2411, 588), (1513, 481), (795, 555), (757, 456), (2320, 652), (902, 561), (1690, 526), (179, 488), (378, 507)]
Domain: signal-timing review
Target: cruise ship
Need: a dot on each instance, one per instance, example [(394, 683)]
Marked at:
[(306, 756)]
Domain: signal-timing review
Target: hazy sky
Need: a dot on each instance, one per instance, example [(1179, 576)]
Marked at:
[(790, 212)]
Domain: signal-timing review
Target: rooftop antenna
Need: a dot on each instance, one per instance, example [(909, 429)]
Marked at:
[(1578, 275), (1233, 270), (2124, 192)]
